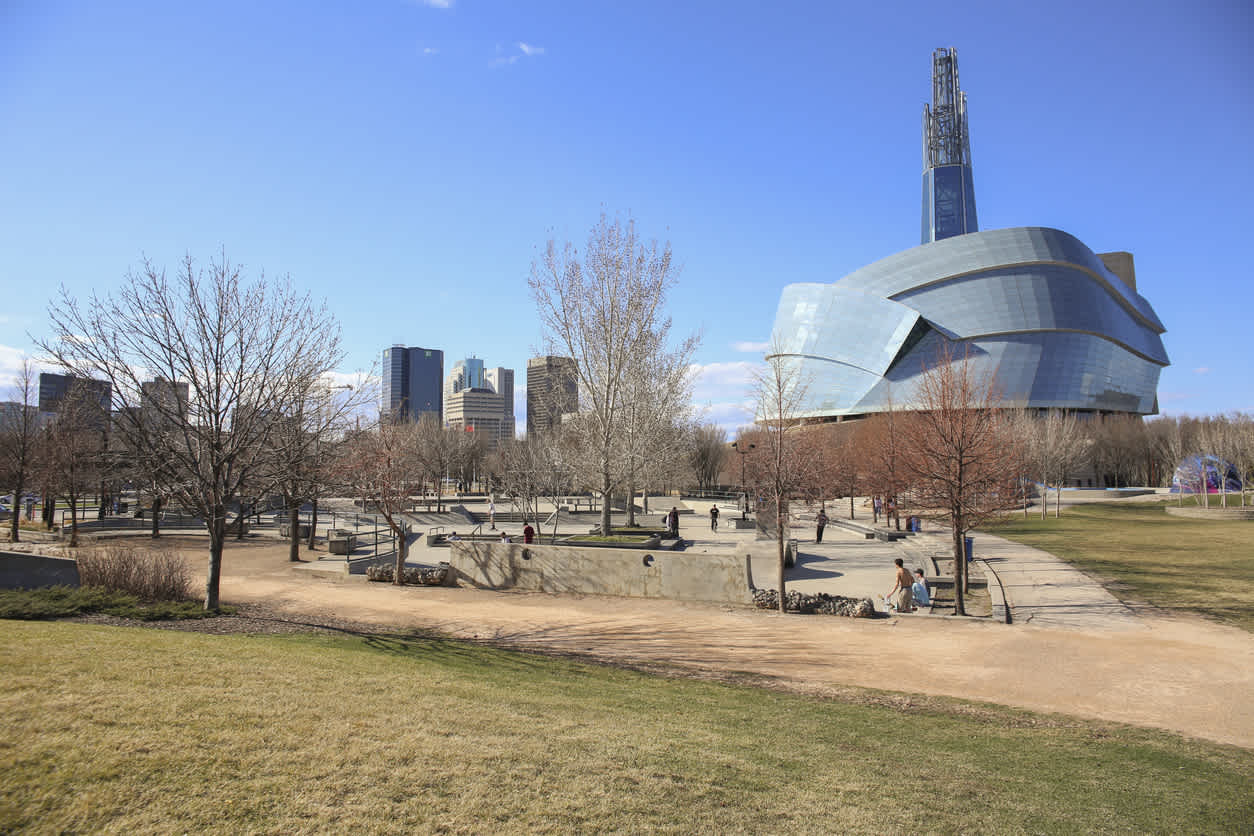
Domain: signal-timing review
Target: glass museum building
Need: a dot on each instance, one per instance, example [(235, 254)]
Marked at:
[(1056, 325)]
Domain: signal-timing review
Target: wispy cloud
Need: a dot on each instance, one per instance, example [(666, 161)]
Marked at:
[(430, 50), (525, 50), (438, 4), (748, 347), (1202, 370)]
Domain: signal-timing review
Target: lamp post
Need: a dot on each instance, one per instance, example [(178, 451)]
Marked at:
[(744, 511)]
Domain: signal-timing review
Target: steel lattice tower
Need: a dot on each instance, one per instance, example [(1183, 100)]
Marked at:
[(948, 189)]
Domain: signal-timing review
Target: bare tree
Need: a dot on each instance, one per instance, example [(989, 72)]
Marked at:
[(954, 447), (1242, 450), (709, 451), (18, 436), (605, 309), (301, 464), (72, 451), (783, 461), (439, 452), (383, 467), (244, 349), (1057, 445), (888, 474)]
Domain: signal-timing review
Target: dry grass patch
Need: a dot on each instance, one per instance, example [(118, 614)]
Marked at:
[(1146, 555), (129, 730)]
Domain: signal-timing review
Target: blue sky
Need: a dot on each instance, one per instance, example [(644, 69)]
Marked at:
[(407, 160)]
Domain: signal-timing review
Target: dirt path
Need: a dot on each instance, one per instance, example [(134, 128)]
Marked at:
[(1181, 674)]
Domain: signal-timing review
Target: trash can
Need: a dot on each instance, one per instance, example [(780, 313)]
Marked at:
[(969, 544)]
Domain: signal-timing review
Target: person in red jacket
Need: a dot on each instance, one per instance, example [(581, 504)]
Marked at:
[(529, 533)]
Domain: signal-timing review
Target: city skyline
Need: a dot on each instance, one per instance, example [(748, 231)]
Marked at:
[(407, 163)]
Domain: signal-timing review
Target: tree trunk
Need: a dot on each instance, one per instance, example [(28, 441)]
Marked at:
[(631, 503), (156, 514), (313, 524), (605, 504), (16, 520), (851, 505), (960, 570), (217, 542), (402, 551), (293, 530), (73, 521), (779, 537)]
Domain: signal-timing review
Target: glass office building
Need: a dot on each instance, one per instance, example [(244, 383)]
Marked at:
[(412, 382), (1053, 323)]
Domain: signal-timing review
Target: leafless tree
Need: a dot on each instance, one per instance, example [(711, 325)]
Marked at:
[(1243, 449), (72, 450), (954, 445), (383, 467), (709, 451), (887, 474), (439, 452), (244, 349), (783, 460), (604, 308), (300, 466), (18, 435), (1056, 445)]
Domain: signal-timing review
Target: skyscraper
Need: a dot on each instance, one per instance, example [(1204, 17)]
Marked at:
[(412, 379), (552, 391), (53, 389), (948, 191), (480, 401), (501, 381)]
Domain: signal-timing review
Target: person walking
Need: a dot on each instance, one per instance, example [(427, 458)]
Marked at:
[(713, 518), (672, 522), (820, 523), (529, 533), (875, 509), (492, 513)]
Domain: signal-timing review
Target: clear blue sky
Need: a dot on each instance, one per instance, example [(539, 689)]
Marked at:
[(407, 160)]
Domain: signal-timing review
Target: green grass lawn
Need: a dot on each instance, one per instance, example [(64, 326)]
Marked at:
[(1177, 563), (128, 730)]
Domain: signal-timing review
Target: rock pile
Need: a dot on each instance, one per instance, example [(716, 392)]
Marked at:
[(821, 603), (421, 576)]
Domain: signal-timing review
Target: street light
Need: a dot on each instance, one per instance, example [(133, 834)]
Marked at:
[(744, 511)]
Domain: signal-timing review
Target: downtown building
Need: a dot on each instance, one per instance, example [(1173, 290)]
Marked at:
[(55, 388), (480, 400), (411, 383), (552, 391), (1054, 324)]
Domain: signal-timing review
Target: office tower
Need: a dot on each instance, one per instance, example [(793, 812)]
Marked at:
[(465, 374), (501, 381), (948, 191), (412, 380), (552, 391), (480, 400), (53, 389)]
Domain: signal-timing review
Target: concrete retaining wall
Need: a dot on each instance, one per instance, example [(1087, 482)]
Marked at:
[(597, 571), (19, 570), (1212, 513)]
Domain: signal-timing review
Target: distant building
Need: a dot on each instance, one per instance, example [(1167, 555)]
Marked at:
[(54, 388), (480, 400), (465, 374), (164, 402), (552, 391), (412, 380), (501, 381)]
